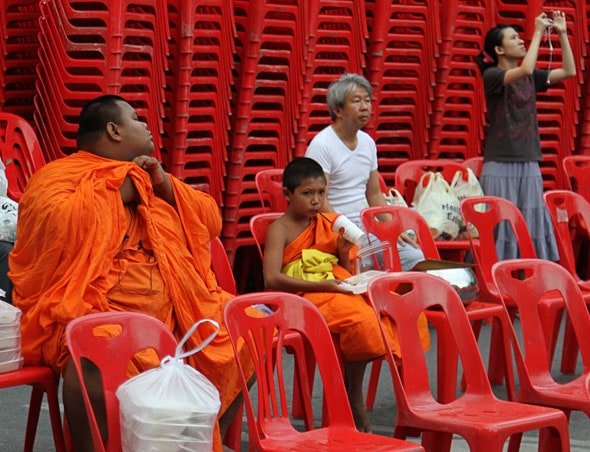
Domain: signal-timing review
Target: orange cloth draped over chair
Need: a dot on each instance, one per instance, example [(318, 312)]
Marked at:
[(348, 315), (76, 254)]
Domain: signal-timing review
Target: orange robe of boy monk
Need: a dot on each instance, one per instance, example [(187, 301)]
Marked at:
[(80, 250), (348, 315)]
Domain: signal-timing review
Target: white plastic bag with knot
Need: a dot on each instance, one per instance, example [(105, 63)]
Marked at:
[(465, 189), (435, 201), (172, 407)]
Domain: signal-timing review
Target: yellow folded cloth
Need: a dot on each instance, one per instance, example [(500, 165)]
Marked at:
[(314, 265)]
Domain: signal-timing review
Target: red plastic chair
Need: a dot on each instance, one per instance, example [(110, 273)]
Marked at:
[(225, 278), (269, 184), (259, 225), (270, 427), (570, 215), (477, 415), (20, 152), (577, 174), (408, 174), (221, 267), (485, 213), (112, 356), (525, 282), (43, 380), (401, 219), (407, 178), (475, 163)]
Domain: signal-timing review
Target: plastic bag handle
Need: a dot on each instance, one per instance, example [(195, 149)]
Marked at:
[(179, 355)]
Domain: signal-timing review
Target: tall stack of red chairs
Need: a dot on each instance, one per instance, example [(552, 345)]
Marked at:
[(19, 26), (401, 67), (88, 48), (335, 44), (198, 92), (231, 88), (263, 121), (459, 104)]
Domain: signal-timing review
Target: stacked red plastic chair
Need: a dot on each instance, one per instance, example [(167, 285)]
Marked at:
[(263, 124), (335, 44), (20, 152), (458, 116), (198, 101), (401, 68), (89, 48), (19, 26)]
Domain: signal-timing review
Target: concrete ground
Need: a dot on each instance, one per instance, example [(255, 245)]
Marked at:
[(14, 405)]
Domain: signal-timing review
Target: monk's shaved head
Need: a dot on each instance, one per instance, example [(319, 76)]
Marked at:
[(94, 117)]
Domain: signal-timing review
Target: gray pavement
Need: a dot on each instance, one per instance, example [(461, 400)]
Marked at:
[(14, 405)]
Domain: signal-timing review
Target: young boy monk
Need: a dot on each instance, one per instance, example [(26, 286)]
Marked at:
[(304, 255)]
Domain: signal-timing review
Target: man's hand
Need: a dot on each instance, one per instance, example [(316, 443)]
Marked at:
[(153, 167), (405, 238), (160, 180)]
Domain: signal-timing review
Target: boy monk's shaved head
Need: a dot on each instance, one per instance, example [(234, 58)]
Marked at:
[(299, 169)]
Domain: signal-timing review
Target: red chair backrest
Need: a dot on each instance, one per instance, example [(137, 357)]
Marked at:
[(408, 174), (475, 163), (221, 267), (259, 225), (523, 283), (291, 313), (113, 355), (485, 213), (400, 220), (577, 174), (269, 184), (570, 216), (420, 292), (20, 152)]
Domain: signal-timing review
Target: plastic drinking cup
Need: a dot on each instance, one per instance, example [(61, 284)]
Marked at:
[(350, 231)]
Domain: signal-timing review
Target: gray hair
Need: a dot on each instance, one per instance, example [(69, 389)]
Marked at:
[(338, 90)]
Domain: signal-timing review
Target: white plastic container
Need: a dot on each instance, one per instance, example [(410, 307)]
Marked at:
[(10, 354), (10, 342), (350, 231), (9, 366)]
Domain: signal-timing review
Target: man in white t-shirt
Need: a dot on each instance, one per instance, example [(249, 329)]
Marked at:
[(349, 157)]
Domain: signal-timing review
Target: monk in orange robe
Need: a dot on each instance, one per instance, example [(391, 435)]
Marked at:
[(106, 229), (303, 255)]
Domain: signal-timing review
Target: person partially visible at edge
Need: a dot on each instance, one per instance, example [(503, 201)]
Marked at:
[(303, 255), (513, 146), (8, 220), (348, 156), (107, 229)]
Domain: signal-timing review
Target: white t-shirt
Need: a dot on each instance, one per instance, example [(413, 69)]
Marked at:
[(349, 170)]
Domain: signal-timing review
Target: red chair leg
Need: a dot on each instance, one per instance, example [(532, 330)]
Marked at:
[(569, 355), (55, 417), (447, 359), (303, 378), (233, 437), (373, 383), (33, 416)]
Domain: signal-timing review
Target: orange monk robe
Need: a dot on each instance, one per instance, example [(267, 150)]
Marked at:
[(348, 315), (72, 226)]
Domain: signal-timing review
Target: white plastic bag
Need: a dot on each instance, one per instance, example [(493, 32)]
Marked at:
[(465, 189), (10, 338), (435, 201), (395, 198), (172, 407)]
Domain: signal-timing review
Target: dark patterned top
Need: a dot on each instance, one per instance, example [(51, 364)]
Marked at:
[(513, 134)]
